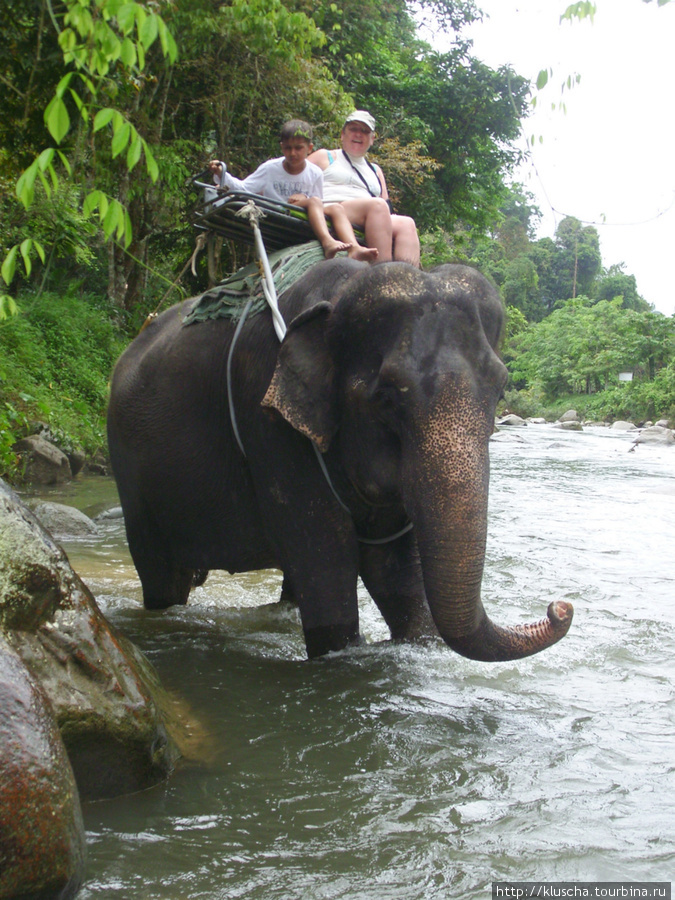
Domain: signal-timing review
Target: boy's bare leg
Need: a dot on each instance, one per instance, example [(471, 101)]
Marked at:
[(317, 219), (343, 229)]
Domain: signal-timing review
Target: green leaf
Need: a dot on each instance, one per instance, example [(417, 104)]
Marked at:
[(148, 31), (94, 200), (542, 79), (134, 152), (111, 220), (9, 265), (173, 47), (126, 18), (64, 160), (67, 40), (150, 164), (40, 250), (44, 160), (79, 103), (8, 306), (120, 139), (45, 183), (128, 53), (57, 119), (25, 186), (63, 84), (25, 249), (102, 117)]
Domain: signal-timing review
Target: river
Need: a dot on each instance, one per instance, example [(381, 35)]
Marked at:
[(398, 772)]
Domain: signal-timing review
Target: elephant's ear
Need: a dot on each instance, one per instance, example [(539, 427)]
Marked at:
[(303, 386)]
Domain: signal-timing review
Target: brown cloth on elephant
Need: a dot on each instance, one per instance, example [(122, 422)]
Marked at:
[(227, 299)]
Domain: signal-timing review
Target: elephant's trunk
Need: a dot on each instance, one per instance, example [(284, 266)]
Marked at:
[(446, 499)]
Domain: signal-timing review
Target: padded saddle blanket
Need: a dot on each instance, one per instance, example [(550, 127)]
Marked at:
[(227, 299)]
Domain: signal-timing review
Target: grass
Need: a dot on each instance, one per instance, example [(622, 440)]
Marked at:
[(56, 357)]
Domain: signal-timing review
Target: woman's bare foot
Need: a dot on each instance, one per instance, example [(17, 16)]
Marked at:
[(331, 247), (365, 254)]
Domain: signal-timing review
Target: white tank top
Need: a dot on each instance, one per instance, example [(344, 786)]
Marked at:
[(341, 182)]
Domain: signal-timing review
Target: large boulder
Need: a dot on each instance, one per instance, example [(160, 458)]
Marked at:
[(109, 705), (569, 416), (65, 521), (42, 842), (512, 420), (43, 463), (655, 434)]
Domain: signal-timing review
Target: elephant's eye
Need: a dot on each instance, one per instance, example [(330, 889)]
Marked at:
[(386, 397)]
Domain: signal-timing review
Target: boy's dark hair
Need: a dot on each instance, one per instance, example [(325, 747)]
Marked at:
[(296, 128)]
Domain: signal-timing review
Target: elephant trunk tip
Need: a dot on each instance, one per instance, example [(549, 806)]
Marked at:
[(560, 615), (493, 643)]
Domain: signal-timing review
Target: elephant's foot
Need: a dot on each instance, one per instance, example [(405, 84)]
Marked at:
[(331, 638), (168, 586)]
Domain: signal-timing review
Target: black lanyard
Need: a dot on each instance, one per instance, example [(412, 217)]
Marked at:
[(371, 166)]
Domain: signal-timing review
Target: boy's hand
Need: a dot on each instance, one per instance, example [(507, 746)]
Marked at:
[(299, 200)]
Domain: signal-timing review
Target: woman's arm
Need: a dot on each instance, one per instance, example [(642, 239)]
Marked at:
[(320, 158), (380, 175)]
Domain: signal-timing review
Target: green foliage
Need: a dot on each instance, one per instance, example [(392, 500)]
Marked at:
[(582, 347), (96, 41), (56, 356), (614, 282)]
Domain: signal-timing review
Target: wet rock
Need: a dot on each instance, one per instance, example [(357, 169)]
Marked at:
[(506, 437), (536, 420), (569, 416), (77, 459), (512, 419), (42, 842), (43, 463), (64, 521), (109, 705), (662, 423), (95, 468), (569, 425), (620, 425), (656, 434), (114, 513)]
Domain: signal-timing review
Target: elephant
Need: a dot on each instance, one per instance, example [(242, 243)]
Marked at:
[(356, 446)]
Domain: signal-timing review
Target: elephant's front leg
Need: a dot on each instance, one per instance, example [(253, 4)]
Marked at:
[(316, 550), (320, 572), (393, 576)]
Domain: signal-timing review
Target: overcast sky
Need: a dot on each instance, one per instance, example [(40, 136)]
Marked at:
[(611, 157)]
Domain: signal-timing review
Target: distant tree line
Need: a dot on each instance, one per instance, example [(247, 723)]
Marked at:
[(573, 325)]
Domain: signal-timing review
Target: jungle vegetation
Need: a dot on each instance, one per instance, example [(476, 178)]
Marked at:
[(111, 106)]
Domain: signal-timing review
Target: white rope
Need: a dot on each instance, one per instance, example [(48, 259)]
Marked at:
[(253, 213)]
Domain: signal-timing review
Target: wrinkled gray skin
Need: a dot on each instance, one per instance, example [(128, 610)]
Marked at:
[(393, 374)]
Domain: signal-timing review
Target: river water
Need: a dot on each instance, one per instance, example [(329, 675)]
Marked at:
[(397, 772)]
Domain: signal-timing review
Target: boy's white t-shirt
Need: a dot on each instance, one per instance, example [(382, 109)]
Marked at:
[(273, 181)]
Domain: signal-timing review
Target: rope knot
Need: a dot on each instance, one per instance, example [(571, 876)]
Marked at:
[(251, 212)]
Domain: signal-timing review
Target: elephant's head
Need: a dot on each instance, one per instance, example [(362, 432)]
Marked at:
[(402, 372)]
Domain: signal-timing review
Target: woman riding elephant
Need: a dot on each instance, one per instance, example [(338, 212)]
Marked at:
[(359, 186)]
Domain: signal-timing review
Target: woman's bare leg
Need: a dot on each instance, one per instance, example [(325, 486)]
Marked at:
[(372, 214), (406, 240), (343, 229)]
